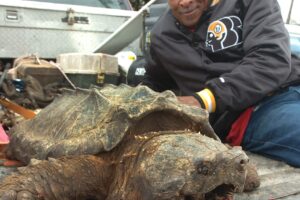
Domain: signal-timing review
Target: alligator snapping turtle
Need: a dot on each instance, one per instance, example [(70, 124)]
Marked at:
[(147, 146)]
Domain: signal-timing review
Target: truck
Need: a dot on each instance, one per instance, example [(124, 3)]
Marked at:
[(291, 18), (48, 28)]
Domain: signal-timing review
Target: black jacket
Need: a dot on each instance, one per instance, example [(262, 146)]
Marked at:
[(239, 50)]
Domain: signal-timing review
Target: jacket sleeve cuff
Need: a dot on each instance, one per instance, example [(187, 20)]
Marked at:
[(206, 99)]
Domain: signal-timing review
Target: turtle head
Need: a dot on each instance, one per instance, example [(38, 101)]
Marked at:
[(190, 165), (218, 175)]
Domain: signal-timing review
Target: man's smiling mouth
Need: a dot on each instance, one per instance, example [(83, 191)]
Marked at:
[(188, 11)]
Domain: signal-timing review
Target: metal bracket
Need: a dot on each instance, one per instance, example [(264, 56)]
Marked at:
[(71, 19), (100, 78), (12, 15)]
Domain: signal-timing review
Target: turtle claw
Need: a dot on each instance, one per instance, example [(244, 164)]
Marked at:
[(9, 195), (13, 195), (25, 195)]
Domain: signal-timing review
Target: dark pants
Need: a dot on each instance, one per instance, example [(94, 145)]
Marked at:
[(274, 127)]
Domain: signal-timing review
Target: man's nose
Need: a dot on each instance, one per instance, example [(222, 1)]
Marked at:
[(186, 3)]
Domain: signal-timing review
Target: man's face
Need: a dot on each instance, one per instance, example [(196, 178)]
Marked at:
[(188, 12)]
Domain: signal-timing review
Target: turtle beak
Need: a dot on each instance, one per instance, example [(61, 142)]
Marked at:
[(240, 164), (237, 176)]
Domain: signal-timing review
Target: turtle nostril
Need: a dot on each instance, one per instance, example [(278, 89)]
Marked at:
[(241, 164), (244, 161)]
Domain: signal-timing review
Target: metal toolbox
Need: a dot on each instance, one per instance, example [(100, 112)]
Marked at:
[(85, 69), (50, 29)]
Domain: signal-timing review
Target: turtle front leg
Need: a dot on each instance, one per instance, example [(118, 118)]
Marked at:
[(76, 177)]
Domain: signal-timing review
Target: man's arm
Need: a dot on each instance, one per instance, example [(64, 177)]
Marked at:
[(265, 67)]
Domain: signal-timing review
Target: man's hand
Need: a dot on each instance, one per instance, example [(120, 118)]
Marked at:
[(189, 100)]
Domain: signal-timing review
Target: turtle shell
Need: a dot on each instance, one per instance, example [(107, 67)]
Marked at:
[(95, 120)]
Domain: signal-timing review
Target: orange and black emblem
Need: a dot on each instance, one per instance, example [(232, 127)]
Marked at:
[(224, 33)]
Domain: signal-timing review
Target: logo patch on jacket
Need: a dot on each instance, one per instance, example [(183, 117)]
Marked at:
[(224, 33)]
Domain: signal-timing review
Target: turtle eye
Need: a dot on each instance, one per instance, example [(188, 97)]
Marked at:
[(205, 168)]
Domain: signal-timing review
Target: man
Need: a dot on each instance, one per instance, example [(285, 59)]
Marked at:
[(231, 57)]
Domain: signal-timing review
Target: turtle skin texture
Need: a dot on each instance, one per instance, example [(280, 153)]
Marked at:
[(122, 143)]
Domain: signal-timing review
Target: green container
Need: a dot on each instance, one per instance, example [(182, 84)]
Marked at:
[(86, 80)]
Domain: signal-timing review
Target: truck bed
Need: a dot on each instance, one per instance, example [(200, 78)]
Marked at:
[(278, 180)]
